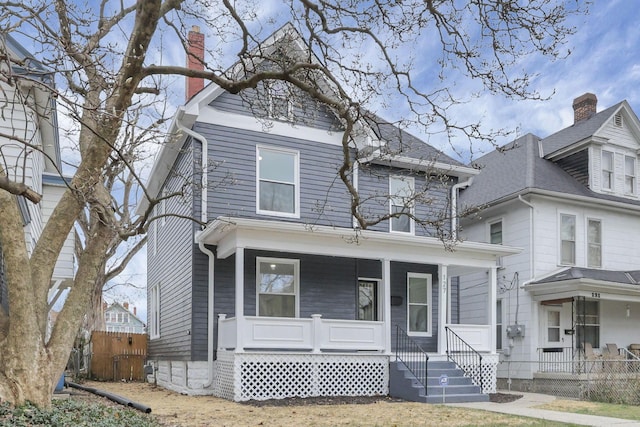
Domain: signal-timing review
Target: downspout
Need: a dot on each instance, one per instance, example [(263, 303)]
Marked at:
[(204, 161), (532, 234), (210, 313), (454, 206)]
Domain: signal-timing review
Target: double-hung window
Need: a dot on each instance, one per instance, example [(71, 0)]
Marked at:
[(401, 193), (607, 170), (499, 324), (154, 314), (280, 106), (567, 239), (278, 182), (629, 175), (594, 242), (277, 287), (495, 232), (419, 304)]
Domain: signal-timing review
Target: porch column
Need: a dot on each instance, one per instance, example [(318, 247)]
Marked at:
[(443, 293), (386, 295), (239, 299), (493, 294)]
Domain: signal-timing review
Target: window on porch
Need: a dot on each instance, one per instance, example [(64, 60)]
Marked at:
[(367, 300), (567, 239), (419, 304), (277, 285), (499, 324), (588, 322)]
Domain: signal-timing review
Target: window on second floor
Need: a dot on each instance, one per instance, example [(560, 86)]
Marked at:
[(495, 232), (629, 175), (401, 193), (278, 182), (594, 242), (607, 170), (567, 239), (280, 106)]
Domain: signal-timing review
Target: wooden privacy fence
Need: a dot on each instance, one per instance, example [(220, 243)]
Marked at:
[(118, 356)]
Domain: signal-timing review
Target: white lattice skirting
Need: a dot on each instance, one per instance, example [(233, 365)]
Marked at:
[(488, 372), (262, 376)]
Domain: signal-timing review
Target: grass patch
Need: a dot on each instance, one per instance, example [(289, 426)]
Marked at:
[(627, 412), (71, 412)]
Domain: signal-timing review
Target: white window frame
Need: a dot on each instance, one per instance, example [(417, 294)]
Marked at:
[(296, 183), (379, 306), (560, 240), (429, 279), (607, 172), (630, 176), (154, 311), (490, 224), (395, 201), (589, 243), (296, 278)]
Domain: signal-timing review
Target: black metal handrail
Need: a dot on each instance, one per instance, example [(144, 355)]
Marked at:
[(412, 356), (465, 357)]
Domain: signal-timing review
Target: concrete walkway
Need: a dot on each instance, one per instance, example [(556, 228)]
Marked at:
[(525, 407)]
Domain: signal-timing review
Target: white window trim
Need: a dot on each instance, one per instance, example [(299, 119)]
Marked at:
[(154, 305), (586, 233), (502, 328), (412, 208), (296, 278), (612, 171), (633, 175), (296, 173), (492, 222), (429, 304), (575, 238), (380, 307)]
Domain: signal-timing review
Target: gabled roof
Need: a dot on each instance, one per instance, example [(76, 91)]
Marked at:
[(524, 166), (117, 307)]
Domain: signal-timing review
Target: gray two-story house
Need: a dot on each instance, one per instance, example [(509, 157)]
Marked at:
[(281, 294)]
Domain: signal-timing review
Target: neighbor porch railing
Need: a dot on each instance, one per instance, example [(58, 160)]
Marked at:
[(297, 334), (412, 356), (465, 357)]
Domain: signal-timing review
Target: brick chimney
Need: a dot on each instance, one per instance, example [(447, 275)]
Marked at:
[(125, 305), (584, 107), (134, 311), (195, 60)]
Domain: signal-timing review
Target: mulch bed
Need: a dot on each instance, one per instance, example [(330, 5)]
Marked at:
[(357, 400)]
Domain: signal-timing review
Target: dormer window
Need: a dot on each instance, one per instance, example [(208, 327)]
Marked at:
[(607, 170), (629, 175)]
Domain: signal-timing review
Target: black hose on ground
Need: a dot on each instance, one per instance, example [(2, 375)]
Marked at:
[(113, 397)]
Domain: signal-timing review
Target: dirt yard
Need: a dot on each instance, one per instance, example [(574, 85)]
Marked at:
[(173, 409)]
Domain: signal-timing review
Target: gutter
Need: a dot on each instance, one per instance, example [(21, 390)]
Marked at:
[(210, 313), (454, 206), (204, 162)]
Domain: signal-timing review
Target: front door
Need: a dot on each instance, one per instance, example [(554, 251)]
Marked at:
[(556, 325), (368, 300)]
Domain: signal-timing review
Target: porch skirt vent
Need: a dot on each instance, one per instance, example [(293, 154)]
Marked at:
[(262, 376)]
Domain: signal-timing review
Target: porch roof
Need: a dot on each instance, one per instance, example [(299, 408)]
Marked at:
[(230, 233), (577, 281)]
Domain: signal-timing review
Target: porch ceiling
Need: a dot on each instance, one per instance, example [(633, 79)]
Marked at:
[(230, 233)]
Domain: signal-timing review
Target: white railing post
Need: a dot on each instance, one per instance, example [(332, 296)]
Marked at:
[(317, 332), (239, 300)]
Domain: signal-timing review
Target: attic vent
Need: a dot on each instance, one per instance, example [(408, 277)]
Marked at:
[(617, 120)]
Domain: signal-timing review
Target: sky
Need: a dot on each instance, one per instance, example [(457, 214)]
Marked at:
[(604, 60)]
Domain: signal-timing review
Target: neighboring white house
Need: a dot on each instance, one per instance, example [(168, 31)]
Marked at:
[(28, 113), (118, 318), (572, 202)]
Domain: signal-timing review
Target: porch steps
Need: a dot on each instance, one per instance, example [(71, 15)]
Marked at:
[(403, 384)]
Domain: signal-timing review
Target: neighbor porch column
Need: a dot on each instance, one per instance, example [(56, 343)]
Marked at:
[(443, 292), (493, 280), (239, 299), (386, 286)]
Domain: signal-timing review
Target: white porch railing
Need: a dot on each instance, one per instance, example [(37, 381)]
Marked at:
[(477, 336), (314, 334)]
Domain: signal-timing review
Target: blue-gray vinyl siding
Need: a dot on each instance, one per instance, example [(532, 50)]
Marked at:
[(433, 206), (232, 187), (170, 264), (328, 286)]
